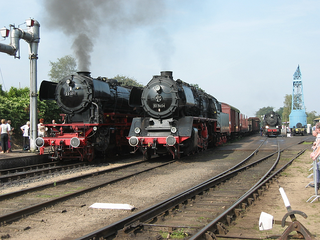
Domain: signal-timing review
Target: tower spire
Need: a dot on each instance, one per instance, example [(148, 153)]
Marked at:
[(298, 116), (297, 91)]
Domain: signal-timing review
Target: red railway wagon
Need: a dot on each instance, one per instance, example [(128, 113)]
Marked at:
[(254, 124), (244, 124), (234, 119)]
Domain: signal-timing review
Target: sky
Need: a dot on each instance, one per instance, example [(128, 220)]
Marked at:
[(243, 53)]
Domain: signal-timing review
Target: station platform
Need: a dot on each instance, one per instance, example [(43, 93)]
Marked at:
[(20, 158)]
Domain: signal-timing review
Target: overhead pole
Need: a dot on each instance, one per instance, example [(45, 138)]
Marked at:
[(32, 36)]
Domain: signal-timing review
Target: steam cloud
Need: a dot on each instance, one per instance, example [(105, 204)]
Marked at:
[(82, 20)]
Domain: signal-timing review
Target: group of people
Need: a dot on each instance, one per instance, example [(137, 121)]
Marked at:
[(26, 133), (6, 132)]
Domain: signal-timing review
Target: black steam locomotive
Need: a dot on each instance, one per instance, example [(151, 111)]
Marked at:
[(177, 118), (271, 124), (95, 115)]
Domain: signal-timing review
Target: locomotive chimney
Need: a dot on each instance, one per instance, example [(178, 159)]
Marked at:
[(167, 74), (84, 73)]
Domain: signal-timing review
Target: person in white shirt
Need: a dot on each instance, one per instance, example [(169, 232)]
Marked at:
[(4, 136), (26, 133)]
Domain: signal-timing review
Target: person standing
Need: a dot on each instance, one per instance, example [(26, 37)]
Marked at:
[(26, 133), (10, 129), (41, 128), (4, 136)]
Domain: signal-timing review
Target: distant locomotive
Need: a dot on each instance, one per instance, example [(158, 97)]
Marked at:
[(271, 124), (96, 116), (178, 118)]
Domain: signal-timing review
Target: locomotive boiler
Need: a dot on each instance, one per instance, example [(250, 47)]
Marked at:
[(271, 124), (84, 99), (95, 115), (177, 117)]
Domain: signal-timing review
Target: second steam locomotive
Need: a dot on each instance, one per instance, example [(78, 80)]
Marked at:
[(271, 124), (181, 119), (96, 116)]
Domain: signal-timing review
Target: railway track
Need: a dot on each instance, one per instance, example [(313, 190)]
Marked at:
[(205, 210), (31, 171), (79, 199), (25, 202)]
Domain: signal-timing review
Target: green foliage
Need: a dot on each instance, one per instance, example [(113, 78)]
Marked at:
[(126, 81), (2, 93), (285, 111), (311, 116), (263, 111), (66, 65), (15, 105), (48, 110), (287, 105), (196, 86)]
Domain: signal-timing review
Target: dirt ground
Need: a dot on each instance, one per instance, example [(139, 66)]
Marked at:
[(294, 181)]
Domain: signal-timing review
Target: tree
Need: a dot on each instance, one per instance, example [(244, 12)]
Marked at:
[(196, 86), (311, 116), (263, 111), (15, 105), (280, 112), (287, 104), (66, 65), (126, 81)]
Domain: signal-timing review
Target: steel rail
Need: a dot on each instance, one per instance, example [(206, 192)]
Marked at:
[(72, 179), (136, 220), (36, 208), (26, 168), (144, 215), (255, 188), (37, 172)]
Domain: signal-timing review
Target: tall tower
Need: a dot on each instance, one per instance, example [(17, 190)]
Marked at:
[(298, 116)]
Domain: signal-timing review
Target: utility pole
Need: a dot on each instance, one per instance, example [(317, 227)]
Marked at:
[(32, 36)]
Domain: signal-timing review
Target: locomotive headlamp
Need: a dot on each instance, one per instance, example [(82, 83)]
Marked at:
[(267, 126), (133, 141), (170, 140), (157, 88), (95, 128), (69, 82), (137, 130), (75, 142), (39, 142), (173, 129)]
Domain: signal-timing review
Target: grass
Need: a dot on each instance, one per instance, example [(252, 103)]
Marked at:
[(179, 234)]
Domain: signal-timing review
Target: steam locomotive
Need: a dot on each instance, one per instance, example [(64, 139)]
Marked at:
[(181, 119), (271, 124), (96, 116)]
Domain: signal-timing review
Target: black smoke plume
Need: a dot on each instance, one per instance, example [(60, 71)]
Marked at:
[(82, 20)]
